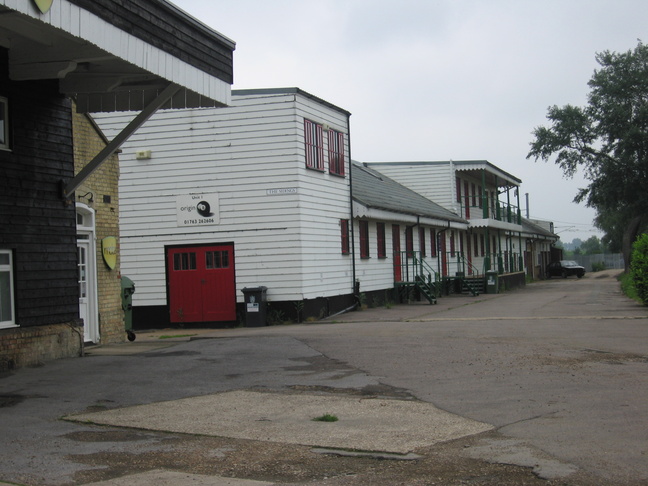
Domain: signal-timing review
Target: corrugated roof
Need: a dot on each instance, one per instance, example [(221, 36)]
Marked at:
[(531, 227), (377, 191)]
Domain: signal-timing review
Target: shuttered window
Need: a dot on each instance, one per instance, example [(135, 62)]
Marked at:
[(364, 239), (336, 152), (422, 242), (433, 243), (314, 144), (344, 234), (380, 237)]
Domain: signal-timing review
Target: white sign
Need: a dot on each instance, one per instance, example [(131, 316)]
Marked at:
[(197, 209), (276, 192)]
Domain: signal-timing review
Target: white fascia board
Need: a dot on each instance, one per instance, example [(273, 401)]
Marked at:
[(495, 224), (83, 25), (361, 211)]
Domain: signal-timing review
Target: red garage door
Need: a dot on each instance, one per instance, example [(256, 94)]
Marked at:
[(201, 284)]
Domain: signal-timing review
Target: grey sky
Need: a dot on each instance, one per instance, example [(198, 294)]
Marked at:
[(437, 79)]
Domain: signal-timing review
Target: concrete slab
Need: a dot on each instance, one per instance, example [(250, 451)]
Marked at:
[(367, 424), (171, 478)]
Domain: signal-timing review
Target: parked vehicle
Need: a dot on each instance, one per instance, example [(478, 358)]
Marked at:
[(565, 268)]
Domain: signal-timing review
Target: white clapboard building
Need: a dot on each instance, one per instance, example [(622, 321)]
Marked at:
[(215, 201), (498, 239)]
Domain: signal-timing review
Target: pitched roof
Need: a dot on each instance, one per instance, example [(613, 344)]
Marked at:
[(375, 190), (531, 227)]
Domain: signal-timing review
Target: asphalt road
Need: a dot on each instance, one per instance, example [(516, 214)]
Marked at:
[(559, 369)]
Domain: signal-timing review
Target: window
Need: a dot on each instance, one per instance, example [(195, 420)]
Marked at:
[(336, 152), (482, 245), (474, 195), (433, 243), (452, 244), (4, 123), (458, 181), (344, 233), (7, 312), (184, 261), (409, 241), (476, 244), (422, 241), (380, 237), (364, 239), (216, 259), (314, 145)]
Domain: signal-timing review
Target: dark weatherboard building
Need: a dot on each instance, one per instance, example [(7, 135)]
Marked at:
[(92, 56)]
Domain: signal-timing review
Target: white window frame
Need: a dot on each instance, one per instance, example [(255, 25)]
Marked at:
[(4, 128), (8, 268)]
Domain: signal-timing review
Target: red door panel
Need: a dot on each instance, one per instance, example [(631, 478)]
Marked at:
[(218, 290), (201, 284), (398, 274)]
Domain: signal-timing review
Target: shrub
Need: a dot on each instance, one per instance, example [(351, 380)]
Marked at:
[(639, 267), (598, 266)]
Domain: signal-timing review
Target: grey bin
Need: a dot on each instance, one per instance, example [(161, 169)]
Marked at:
[(492, 282), (255, 306), (127, 291)]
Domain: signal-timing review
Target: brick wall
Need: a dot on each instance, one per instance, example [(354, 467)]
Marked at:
[(103, 184), (30, 346)]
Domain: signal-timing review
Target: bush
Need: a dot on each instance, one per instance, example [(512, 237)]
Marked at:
[(598, 266), (639, 267)]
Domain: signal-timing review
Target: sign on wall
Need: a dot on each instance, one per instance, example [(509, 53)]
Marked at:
[(109, 251), (43, 5), (197, 209)]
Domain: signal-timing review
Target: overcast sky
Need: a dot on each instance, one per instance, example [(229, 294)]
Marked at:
[(438, 79)]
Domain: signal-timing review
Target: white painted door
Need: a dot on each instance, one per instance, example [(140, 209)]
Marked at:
[(87, 284)]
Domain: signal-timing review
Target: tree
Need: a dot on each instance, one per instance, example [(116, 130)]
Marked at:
[(592, 246), (639, 267), (608, 140)]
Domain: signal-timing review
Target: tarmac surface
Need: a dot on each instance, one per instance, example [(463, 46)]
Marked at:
[(551, 379)]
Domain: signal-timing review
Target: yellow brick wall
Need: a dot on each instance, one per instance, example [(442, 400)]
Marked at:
[(29, 346), (88, 142)]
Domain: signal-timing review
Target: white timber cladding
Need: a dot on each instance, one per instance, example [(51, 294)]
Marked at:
[(282, 218), (81, 23), (433, 181), (375, 273)]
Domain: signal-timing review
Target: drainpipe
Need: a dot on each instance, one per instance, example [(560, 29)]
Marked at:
[(354, 285)]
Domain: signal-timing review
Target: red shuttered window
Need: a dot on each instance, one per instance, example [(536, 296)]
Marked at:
[(380, 237), (364, 239), (344, 234), (336, 152), (314, 143)]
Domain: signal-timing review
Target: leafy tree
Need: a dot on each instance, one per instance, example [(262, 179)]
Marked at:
[(639, 267), (607, 140), (592, 246)]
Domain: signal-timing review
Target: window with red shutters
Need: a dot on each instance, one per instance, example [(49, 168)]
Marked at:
[(433, 243), (409, 241), (364, 239), (344, 234), (336, 152), (314, 144), (422, 241), (380, 237)]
